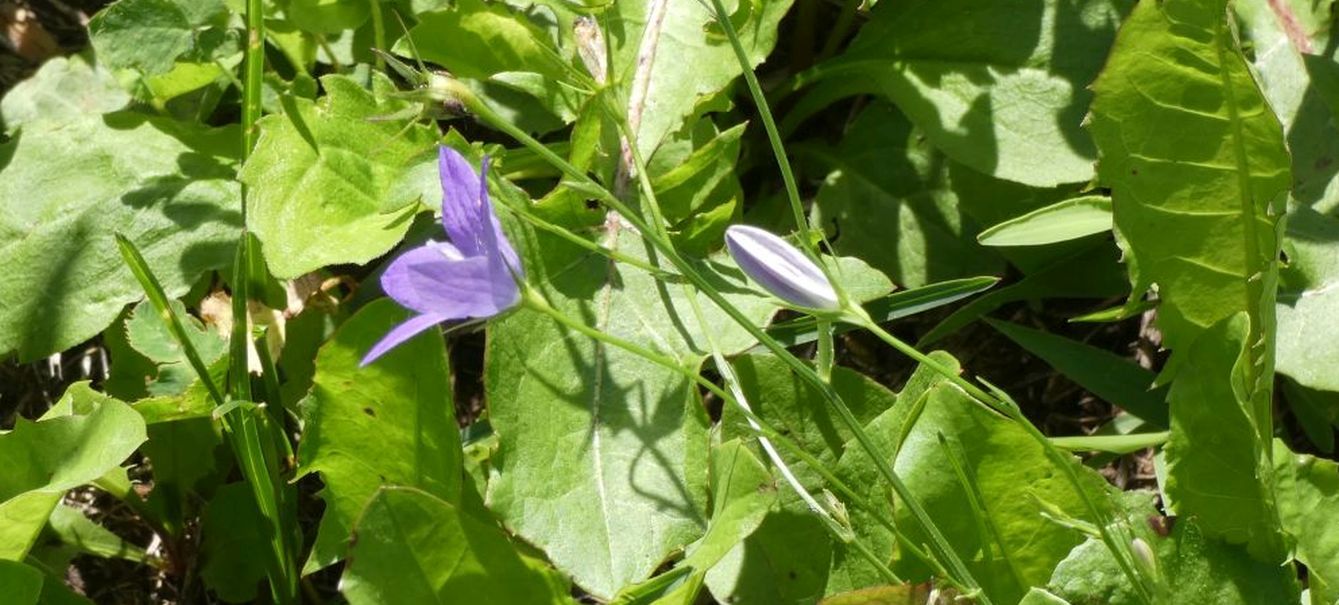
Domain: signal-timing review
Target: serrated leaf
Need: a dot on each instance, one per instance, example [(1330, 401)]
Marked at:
[(1000, 88), (69, 185), (602, 454), (1218, 185), (413, 547), (1062, 221), (390, 423), (322, 179)]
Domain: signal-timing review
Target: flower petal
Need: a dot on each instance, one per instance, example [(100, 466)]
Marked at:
[(780, 268), (399, 334), (460, 201), (494, 240), (434, 279)]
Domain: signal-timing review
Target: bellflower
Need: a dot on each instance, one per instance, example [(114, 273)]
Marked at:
[(472, 277), (780, 268)]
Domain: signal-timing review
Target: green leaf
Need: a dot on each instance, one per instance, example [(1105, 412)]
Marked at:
[(1218, 462), (892, 203), (1115, 444), (794, 408), (1000, 88), (63, 88), (693, 58), (1059, 222), (1308, 496), (1115, 379), (1307, 299), (413, 547), (995, 520), (149, 335), (602, 454), (69, 185), (880, 595), (233, 544), (390, 423), (328, 16), (477, 39), (20, 583), (149, 35), (1218, 185), (75, 529), (1192, 568), (742, 492), (322, 181), (784, 561), (44, 459)]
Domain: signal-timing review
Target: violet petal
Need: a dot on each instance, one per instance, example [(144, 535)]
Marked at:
[(780, 268), (409, 329), (434, 279)]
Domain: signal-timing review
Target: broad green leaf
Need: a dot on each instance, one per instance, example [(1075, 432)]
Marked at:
[(602, 455), (1307, 299), (693, 59), (1059, 222), (891, 202), (1291, 39), (1007, 541), (21, 584), (413, 547), (477, 39), (390, 423), (793, 407), (322, 182), (233, 544), (63, 88), (1308, 495), (1192, 567), (742, 492), (149, 35), (1218, 462), (784, 561), (1000, 88), (66, 186), (44, 459), (328, 16), (688, 184), (1113, 378), (1218, 185)]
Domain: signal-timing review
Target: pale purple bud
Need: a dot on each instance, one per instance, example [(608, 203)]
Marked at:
[(780, 268)]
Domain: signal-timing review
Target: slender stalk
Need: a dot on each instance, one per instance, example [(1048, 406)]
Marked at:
[(839, 29), (378, 34), (938, 543), (824, 359), (769, 124)]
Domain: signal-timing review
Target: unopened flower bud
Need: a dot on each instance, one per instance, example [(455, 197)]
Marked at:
[(780, 268)]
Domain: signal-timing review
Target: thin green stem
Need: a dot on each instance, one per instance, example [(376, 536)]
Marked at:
[(824, 359), (378, 34), (939, 544), (769, 124), (845, 19)]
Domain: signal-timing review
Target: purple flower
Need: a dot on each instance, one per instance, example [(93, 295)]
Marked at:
[(780, 268), (472, 277)]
